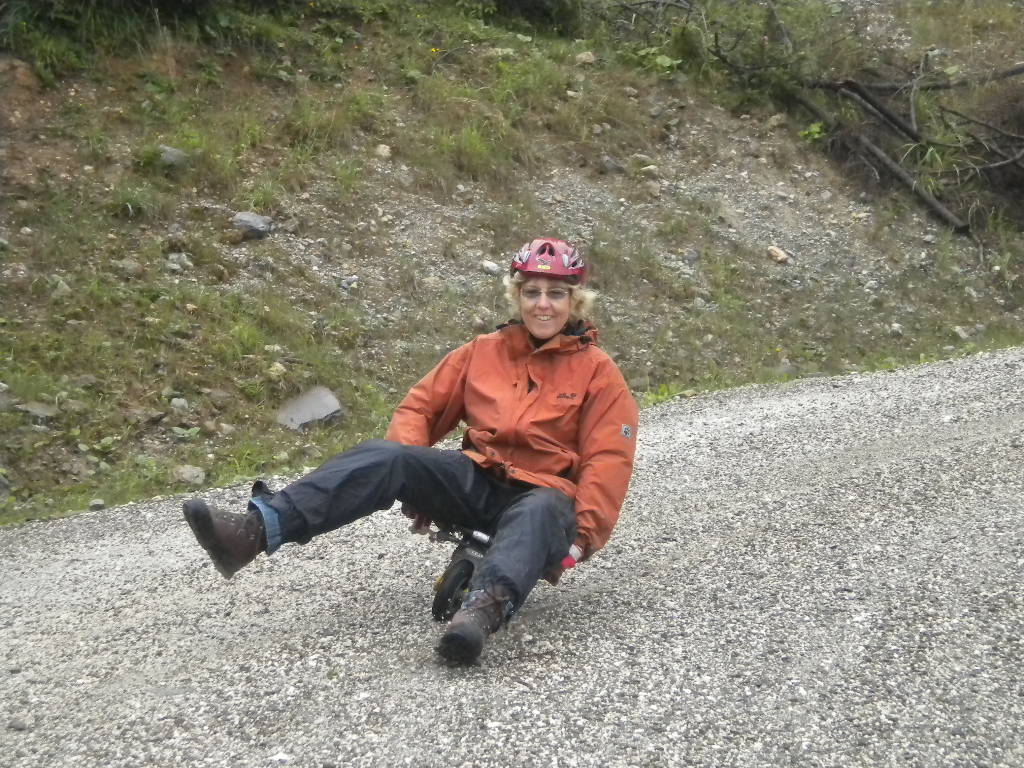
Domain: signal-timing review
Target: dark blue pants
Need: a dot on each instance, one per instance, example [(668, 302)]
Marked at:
[(532, 527)]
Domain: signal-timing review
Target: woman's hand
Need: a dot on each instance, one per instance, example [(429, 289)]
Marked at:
[(420, 521), (569, 561)]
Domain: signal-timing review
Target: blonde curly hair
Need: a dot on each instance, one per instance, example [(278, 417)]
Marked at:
[(582, 299)]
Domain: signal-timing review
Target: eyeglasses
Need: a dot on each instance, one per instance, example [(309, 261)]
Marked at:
[(554, 295)]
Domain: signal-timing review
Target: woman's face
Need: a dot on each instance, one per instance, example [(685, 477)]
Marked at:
[(544, 305)]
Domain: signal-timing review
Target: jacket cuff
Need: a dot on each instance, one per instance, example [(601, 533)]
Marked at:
[(584, 546)]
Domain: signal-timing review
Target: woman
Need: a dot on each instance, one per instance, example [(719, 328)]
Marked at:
[(544, 466)]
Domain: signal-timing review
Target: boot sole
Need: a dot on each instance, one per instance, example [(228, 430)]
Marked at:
[(458, 649), (197, 515)]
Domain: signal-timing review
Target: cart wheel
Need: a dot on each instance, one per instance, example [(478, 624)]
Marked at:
[(451, 589)]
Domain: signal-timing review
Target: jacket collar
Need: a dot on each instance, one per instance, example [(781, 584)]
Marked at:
[(572, 337)]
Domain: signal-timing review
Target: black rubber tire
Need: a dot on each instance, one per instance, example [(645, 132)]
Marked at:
[(451, 589)]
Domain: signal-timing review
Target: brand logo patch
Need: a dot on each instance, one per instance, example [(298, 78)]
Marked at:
[(566, 396), (627, 431)]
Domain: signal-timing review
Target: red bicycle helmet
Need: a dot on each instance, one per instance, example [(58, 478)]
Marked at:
[(547, 257)]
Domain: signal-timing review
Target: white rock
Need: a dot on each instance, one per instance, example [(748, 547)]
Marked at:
[(585, 58), (252, 225), (653, 188), (186, 473), (382, 151), (315, 404), (61, 290)]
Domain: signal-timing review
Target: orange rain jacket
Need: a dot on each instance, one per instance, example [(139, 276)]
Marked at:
[(559, 416)]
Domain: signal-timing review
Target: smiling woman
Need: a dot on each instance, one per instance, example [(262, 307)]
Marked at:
[(544, 466), (545, 288)]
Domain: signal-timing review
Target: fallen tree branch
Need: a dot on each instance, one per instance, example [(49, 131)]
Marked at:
[(921, 86), (780, 27), (636, 4), (856, 94), (983, 124), (886, 162)]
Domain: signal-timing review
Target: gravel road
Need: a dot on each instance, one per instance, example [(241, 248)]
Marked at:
[(825, 573)]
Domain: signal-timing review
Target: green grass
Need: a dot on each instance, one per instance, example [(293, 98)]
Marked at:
[(279, 111)]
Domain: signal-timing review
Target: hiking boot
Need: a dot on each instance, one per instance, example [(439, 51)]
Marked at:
[(260, 490), (232, 541), (482, 613)]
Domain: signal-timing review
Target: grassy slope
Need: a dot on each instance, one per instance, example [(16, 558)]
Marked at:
[(282, 118)]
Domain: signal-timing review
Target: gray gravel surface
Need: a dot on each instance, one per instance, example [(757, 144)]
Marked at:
[(822, 573)]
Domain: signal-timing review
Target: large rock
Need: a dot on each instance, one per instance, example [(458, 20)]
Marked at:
[(39, 410), (316, 404), (608, 164), (186, 473), (252, 226), (172, 158), (17, 73), (491, 268)]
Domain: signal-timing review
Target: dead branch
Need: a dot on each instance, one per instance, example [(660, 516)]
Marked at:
[(637, 4), (925, 86), (886, 162), (856, 94), (779, 28), (983, 124)]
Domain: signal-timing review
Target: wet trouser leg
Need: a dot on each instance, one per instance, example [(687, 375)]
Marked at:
[(532, 527), (446, 485), (533, 534)]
